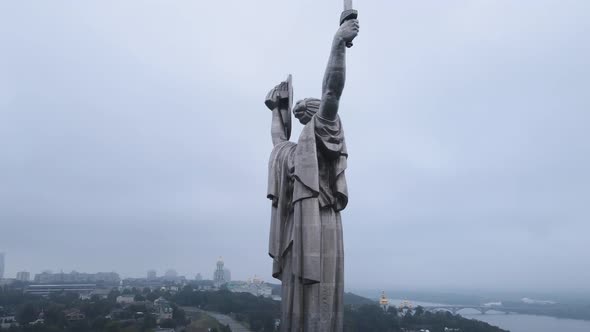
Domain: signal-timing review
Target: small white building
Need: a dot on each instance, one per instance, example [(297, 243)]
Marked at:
[(254, 286), (7, 321), (126, 299), (73, 315)]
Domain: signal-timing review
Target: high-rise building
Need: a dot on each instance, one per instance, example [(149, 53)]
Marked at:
[(1, 265), (151, 275), (219, 274), (171, 273), (198, 277), (23, 276)]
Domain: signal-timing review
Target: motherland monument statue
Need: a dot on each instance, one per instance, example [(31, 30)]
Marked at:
[(307, 186)]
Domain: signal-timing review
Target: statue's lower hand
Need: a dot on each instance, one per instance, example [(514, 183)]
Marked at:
[(348, 31)]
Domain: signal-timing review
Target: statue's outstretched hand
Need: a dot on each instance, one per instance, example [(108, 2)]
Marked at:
[(348, 30), (277, 96)]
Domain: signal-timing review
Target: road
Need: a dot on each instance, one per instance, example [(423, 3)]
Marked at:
[(234, 325)]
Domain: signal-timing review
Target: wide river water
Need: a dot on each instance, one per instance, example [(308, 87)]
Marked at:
[(517, 322)]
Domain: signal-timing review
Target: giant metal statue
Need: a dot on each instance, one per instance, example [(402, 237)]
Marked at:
[(307, 186)]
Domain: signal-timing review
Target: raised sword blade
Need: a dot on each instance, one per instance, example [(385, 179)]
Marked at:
[(347, 4)]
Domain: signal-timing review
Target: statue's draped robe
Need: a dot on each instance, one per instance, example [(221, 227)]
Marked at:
[(308, 190)]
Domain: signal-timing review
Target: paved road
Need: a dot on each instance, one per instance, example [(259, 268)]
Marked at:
[(234, 325)]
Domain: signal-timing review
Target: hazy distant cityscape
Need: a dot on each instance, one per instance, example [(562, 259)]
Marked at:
[(89, 284), (151, 294), (157, 293), (81, 301)]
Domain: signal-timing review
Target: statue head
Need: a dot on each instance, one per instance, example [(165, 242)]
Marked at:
[(305, 109)]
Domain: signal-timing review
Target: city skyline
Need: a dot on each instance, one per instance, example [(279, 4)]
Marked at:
[(156, 272)]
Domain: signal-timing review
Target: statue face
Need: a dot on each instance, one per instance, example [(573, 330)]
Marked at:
[(304, 112)]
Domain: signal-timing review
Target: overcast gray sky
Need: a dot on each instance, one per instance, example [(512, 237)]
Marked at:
[(133, 135)]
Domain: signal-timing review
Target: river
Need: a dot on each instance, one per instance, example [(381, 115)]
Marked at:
[(518, 322)]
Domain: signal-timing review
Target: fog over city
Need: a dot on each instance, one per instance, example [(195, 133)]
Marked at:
[(133, 135)]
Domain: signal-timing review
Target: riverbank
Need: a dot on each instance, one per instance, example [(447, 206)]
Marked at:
[(515, 322)]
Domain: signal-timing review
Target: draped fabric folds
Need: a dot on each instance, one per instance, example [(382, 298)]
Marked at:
[(308, 190)]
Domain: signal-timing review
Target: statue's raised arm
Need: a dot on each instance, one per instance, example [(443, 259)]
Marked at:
[(335, 75)]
